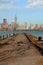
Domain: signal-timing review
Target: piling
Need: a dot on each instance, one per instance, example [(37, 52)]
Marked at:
[(3, 36), (39, 38), (0, 37)]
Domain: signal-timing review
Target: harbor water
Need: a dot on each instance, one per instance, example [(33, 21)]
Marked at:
[(36, 33)]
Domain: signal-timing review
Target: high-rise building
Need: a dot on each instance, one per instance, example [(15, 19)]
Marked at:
[(4, 20), (32, 27), (5, 25), (15, 23), (10, 27), (15, 18), (0, 25), (22, 27), (26, 25), (36, 26)]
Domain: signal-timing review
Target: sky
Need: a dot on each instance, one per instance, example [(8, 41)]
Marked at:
[(30, 11)]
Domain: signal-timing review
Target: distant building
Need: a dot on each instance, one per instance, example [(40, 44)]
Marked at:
[(22, 27), (32, 27), (15, 18), (26, 25), (0, 26), (4, 25), (15, 23), (10, 28), (36, 26), (41, 27)]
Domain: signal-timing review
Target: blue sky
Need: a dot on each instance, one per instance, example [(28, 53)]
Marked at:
[(25, 10)]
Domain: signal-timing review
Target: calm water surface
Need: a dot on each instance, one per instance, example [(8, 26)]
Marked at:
[(35, 33)]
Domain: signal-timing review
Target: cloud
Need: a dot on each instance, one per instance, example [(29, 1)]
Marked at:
[(8, 4), (7, 1), (11, 4), (34, 4)]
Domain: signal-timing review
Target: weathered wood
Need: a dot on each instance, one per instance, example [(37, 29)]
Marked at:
[(40, 48)]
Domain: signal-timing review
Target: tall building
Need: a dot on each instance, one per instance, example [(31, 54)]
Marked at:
[(40, 27), (10, 27), (36, 26), (4, 20), (32, 27), (0, 25), (15, 23), (15, 18), (26, 25), (22, 27), (5, 25)]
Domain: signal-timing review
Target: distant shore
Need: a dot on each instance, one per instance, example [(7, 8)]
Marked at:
[(22, 30)]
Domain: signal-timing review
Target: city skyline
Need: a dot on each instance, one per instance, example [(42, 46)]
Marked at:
[(25, 10), (16, 26)]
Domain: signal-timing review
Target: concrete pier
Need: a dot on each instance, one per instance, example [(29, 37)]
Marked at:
[(20, 49)]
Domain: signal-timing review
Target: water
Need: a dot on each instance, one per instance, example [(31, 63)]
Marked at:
[(34, 33)]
